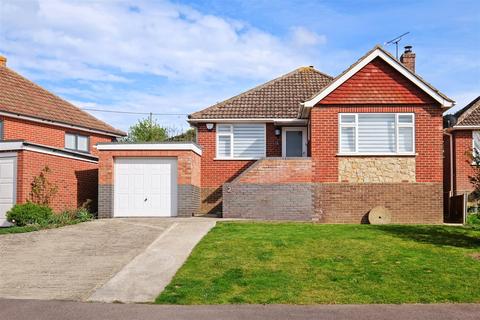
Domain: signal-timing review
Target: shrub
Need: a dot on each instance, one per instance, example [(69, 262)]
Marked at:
[(42, 190), (82, 214), (71, 216), (473, 219), (29, 213)]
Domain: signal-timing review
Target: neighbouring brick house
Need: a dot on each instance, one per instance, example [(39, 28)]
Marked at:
[(462, 135), (307, 146), (39, 129)]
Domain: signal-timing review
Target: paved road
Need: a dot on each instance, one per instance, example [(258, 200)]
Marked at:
[(53, 310), (74, 262)]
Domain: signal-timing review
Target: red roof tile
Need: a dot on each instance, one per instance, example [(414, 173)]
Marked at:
[(20, 96)]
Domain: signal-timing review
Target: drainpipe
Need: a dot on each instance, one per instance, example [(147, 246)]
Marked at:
[(450, 192)]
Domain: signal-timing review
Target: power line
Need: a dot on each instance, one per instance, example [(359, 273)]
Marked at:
[(131, 112)]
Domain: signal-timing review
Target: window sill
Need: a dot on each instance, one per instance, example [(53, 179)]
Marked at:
[(236, 159), (377, 154)]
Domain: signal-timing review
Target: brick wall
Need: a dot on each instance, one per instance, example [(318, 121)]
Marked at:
[(49, 135), (271, 189), (76, 179), (216, 172), (278, 170), (419, 203), (462, 148), (277, 201), (188, 178)]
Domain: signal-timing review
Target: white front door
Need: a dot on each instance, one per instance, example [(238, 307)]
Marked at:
[(294, 142), (8, 177), (145, 187)]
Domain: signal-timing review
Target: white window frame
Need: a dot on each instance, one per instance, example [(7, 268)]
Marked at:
[(473, 144), (397, 126), (232, 140), (76, 135)]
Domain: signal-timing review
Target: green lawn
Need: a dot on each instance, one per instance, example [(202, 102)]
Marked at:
[(299, 263)]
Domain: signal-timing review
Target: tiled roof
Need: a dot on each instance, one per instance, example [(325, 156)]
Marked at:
[(470, 114), (279, 98), (20, 96)]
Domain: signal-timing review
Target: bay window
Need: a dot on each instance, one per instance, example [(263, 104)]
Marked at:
[(240, 141), (376, 133)]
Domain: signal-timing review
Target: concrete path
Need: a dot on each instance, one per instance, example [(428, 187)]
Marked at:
[(53, 310), (150, 272), (71, 263)]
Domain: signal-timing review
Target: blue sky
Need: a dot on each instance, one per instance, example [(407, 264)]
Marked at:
[(181, 56)]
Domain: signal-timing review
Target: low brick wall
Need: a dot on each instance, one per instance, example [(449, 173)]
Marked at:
[(292, 201), (188, 200), (419, 203)]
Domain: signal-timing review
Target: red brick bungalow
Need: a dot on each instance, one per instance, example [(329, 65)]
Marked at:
[(307, 146), (39, 129), (462, 135)]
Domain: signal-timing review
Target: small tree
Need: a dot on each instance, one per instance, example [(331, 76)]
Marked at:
[(42, 190), (187, 136), (147, 130)]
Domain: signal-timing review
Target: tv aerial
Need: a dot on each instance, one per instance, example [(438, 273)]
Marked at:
[(396, 41)]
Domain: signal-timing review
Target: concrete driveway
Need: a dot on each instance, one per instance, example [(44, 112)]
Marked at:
[(128, 260)]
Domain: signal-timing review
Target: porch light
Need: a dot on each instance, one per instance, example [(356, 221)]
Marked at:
[(277, 132), (209, 126)]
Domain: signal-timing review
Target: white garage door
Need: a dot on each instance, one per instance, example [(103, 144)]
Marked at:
[(145, 187), (8, 170)]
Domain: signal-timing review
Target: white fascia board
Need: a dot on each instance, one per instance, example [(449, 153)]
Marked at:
[(58, 154), (465, 128), (11, 145), (292, 122), (150, 146), (396, 65), (19, 146), (58, 124), (235, 120)]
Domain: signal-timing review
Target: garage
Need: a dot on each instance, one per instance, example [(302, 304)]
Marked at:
[(148, 179), (8, 165), (145, 187)]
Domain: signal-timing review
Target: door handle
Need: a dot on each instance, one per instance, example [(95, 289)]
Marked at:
[(145, 200)]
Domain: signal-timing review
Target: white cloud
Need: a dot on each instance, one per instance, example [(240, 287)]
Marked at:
[(304, 37), (84, 39)]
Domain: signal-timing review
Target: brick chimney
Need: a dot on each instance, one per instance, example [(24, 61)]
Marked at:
[(408, 58), (3, 61)]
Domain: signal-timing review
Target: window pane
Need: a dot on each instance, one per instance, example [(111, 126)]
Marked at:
[(224, 147), (347, 140), (476, 141), (347, 118), (82, 143), (249, 140), (376, 133), (69, 141), (1, 130), (222, 128), (405, 118), (405, 139)]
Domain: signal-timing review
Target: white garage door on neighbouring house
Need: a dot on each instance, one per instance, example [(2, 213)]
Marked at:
[(8, 170), (145, 187)]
